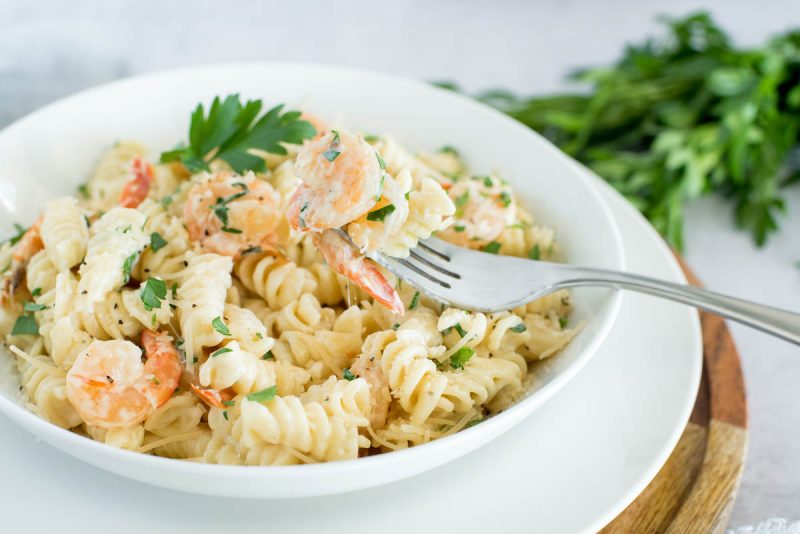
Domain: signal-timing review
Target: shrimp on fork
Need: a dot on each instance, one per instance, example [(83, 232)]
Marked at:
[(138, 185), (342, 180), (110, 387)]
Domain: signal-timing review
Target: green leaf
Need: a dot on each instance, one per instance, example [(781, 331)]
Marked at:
[(381, 213), (33, 307), (268, 355), (157, 242), (492, 247), (414, 301), (25, 325), (152, 293), (263, 395), (519, 328), (20, 232), (534, 253), (460, 202), (220, 327), (562, 322), (461, 357), (223, 350), (381, 163), (461, 331), (331, 155), (127, 265), (348, 375), (36, 292)]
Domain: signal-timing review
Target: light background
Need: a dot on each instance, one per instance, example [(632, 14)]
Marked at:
[(52, 48)]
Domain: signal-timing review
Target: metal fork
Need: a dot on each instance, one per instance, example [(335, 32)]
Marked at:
[(486, 282)]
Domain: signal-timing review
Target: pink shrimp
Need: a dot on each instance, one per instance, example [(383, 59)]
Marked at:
[(345, 259), (211, 396), (110, 387), (138, 185), (228, 214), (29, 244)]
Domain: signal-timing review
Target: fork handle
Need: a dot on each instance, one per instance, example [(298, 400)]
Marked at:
[(775, 321)]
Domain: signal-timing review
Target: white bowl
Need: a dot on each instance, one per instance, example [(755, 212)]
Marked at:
[(48, 153)]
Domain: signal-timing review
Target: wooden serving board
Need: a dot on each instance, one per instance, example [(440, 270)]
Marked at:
[(696, 488)]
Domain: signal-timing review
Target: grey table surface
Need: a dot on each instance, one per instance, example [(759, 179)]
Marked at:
[(49, 49)]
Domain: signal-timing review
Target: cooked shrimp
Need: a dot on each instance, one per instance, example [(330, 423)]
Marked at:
[(110, 387), (138, 185), (484, 207), (346, 260), (368, 368), (341, 181), (211, 396), (228, 214), (29, 244)]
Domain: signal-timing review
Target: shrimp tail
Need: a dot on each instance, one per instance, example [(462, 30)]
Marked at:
[(344, 258), (24, 250), (138, 185)]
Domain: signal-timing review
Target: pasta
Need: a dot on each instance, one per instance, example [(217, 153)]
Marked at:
[(261, 344)]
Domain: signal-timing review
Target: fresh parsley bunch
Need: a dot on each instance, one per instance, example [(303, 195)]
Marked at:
[(681, 116), (232, 131)]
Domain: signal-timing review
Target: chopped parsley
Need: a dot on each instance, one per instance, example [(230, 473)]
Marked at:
[(157, 242), (520, 328), (381, 213), (380, 189), (459, 228), (36, 292), (166, 201), (25, 325), (475, 422), (460, 330), (127, 265), (223, 350), (268, 355), (492, 247), (414, 301), (220, 327), (174, 290), (447, 149), (505, 199), (371, 138), (229, 403), (460, 202), (263, 395), (225, 415), (535, 253), (231, 130), (487, 181), (153, 292), (231, 230), (20, 232), (461, 357), (252, 250), (33, 307), (381, 163), (562, 322), (395, 326), (331, 155), (83, 191), (347, 374)]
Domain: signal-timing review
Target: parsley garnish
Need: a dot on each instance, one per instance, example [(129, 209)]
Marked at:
[(487, 181), (32, 307), (252, 250), (231, 130), (461, 331), (447, 149), (381, 213), (127, 265), (223, 350), (380, 189), (83, 191), (562, 322), (220, 327), (381, 163), (460, 202), (461, 357), (263, 395), (331, 155), (492, 247), (25, 325), (20, 232), (505, 198), (225, 415), (347, 374), (157, 242), (268, 356), (475, 422), (36, 292), (534, 253), (459, 228), (229, 403), (414, 301), (152, 293), (519, 328)]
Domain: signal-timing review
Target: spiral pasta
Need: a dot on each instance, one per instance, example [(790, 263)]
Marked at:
[(110, 173), (65, 233), (277, 281)]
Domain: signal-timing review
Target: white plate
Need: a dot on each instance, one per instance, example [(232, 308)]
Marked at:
[(52, 150), (570, 467)]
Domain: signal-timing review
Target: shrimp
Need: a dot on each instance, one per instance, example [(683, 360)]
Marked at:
[(342, 179), (110, 387), (29, 244), (211, 396), (484, 207), (228, 214), (368, 368), (344, 258), (138, 185)]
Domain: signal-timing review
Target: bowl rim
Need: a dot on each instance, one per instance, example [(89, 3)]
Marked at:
[(491, 427)]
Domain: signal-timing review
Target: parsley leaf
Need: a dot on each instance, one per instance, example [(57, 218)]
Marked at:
[(127, 265), (492, 247), (152, 293), (562, 322), (220, 327), (460, 202), (381, 163), (263, 395), (461, 357), (157, 242), (231, 130), (36, 292), (460, 330), (348, 375), (534, 253), (25, 325), (331, 155), (381, 213), (414, 301), (20, 232), (223, 350), (519, 328), (268, 356), (32, 307)]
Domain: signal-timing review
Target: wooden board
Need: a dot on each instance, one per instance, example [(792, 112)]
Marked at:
[(696, 488)]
